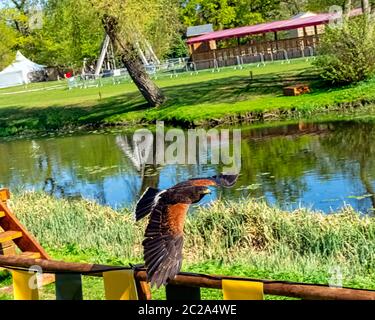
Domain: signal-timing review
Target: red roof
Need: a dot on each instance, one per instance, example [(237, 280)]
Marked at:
[(274, 26)]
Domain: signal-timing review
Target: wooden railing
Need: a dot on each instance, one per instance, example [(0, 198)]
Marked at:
[(186, 282), (294, 47), (13, 234), (15, 238)]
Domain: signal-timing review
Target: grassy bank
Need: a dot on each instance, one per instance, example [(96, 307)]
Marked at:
[(207, 98), (247, 238)]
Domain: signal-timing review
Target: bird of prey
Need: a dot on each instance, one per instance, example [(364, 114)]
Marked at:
[(164, 233)]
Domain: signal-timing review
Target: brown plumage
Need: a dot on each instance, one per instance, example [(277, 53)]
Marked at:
[(164, 233)]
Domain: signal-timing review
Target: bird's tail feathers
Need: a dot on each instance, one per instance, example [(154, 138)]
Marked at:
[(145, 203)]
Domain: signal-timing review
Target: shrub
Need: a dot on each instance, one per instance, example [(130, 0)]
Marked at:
[(346, 55)]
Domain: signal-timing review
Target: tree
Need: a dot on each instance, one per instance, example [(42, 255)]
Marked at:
[(225, 14), (74, 29), (71, 33), (354, 142), (8, 41), (178, 49), (127, 25), (323, 5), (18, 12), (21, 10), (153, 95), (346, 54), (293, 7)]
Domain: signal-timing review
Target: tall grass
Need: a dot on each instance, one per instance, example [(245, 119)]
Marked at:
[(254, 232), (79, 225), (226, 233)]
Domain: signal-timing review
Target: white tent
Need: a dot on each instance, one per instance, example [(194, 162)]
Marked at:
[(18, 72)]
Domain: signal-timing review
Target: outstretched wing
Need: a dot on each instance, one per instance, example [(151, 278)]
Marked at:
[(163, 243), (164, 233), (146, 202), (223, 180)]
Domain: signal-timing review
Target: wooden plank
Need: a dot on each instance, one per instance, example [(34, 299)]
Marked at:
[(7, 248), (242, 290), (21, 286), (9, 236), (296, 90), (47, 279), (31, 255), (177, 293), (68, 286), (143, 289), (27, 242), (289, 91), (4, 195), (120, 285)]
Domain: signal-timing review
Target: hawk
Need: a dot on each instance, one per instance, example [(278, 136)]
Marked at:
[(164, 233)]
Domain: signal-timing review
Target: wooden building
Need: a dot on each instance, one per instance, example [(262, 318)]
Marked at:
[(196, 31), (285, 39)]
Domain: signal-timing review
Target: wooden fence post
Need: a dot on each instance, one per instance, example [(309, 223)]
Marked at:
[(143, 289), (178, 292), (68, 286), (23, 287), (120, 285)]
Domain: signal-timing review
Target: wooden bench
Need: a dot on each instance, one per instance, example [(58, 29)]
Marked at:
[(296, 90)]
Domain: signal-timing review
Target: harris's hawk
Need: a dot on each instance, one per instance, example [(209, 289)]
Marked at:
[(164, 233)]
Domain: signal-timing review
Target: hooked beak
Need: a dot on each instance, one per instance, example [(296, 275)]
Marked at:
[(207, 191)]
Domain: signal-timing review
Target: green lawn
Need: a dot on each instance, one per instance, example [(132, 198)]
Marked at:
[(219, 97)]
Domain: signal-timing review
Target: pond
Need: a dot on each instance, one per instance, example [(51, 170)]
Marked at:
[(316, 165)]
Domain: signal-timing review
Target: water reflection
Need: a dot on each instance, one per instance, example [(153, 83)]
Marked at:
[(321, 166)]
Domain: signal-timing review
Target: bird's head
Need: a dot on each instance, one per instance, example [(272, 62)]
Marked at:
[(188, 195), (198, 194)]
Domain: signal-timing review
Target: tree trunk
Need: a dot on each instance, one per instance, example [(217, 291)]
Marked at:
[(365, 7), (366, 10), (366, 182), (150, 91), (348, 9)]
